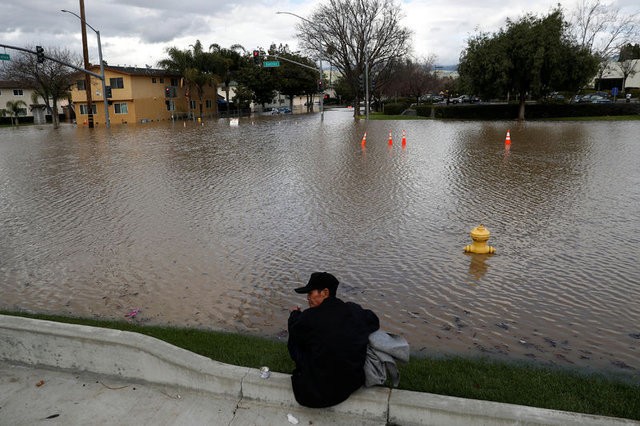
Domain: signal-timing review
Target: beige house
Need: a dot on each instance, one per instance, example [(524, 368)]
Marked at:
[(613, 75), (140, 95), (14, 91)]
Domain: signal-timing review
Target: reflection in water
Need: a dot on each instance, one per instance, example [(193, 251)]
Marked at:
[(212, 226), (478, 266)]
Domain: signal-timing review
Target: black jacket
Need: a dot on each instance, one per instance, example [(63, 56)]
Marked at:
[(329, 345)]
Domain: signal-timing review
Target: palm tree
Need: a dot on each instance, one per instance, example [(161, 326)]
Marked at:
[(228, 61), (195, 66), (14, 108)]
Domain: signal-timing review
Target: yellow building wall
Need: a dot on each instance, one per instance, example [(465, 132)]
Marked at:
[(145, 99)]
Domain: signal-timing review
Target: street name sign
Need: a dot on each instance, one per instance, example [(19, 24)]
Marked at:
[(269, 64), (4, 57)]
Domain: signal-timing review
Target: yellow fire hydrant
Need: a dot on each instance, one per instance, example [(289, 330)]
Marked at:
[(479, 235)]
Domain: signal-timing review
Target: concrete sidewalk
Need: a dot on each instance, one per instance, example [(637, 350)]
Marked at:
[(66, 374)]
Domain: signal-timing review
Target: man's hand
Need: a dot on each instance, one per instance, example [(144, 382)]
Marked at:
[(295, 308)]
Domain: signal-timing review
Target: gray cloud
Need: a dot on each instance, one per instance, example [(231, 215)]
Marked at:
[(138, 31)]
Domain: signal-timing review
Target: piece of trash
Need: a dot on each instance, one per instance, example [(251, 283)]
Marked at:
[(53, 416), (265, 373), (292, 419), (40, 383), (132, 313)]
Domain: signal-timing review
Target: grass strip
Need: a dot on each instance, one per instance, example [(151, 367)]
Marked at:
[(382, 117), (483, 379)]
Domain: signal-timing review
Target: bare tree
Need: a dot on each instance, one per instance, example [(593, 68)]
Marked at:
[(603, 29), (628, 68), (415, 79), (355, 34), (51, 79)]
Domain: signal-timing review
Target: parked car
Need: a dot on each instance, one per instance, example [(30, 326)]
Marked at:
[(600, 100), (589, 98), (555, 97), (460, 99)]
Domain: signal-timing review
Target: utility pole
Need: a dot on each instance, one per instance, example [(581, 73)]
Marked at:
[(85, 53)]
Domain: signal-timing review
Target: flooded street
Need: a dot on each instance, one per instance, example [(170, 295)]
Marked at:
[(213, 226)]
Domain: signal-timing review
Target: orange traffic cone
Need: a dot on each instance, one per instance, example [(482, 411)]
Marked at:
[(404, 138), (507, 141), (390, 138), (364, 139)]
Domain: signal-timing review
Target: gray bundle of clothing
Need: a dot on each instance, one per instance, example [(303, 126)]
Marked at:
[(383, 353)]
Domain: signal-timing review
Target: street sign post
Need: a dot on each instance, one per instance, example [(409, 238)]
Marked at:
[(270, 64), (4, 57)]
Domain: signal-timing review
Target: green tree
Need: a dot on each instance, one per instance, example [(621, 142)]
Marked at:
[(228, 62), (260, 81), (629, 51), (344, 90), (292, 79), (529, 58), (197, 69), (14, 108)]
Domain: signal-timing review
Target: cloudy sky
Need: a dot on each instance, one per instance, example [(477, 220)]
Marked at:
[(137, 32)]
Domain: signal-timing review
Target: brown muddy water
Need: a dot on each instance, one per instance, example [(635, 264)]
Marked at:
[(213, 226)]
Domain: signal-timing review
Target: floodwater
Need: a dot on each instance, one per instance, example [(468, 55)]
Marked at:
[(213, 226)]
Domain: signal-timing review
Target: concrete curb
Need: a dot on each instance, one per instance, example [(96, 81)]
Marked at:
[(141, 358)]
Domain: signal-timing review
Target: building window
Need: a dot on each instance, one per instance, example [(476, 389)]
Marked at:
[(153, 79), (170, 92), (121, 108), (208, 103), (171, 106), (116, 83), (174, 81), (17, 92), (161, 80), (84, 110), (192, 104), (80, 84)]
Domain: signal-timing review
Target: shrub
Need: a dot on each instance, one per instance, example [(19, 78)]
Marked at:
[(395, 108)]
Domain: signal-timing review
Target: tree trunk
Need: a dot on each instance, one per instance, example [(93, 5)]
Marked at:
[(54, 114), (521, 108)]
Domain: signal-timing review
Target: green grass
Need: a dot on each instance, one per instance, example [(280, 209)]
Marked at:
[(514, 383), (380, 116)]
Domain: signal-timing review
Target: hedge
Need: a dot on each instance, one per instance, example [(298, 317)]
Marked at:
[(532, 111)]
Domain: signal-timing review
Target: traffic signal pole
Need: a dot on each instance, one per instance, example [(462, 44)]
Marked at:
[(51, 59), (104, 81), (85, 54)]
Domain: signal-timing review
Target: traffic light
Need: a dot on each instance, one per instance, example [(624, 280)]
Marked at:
[(361, 82), (40, 54), (256, 57), (320, 86), (107, 90), (167, 92)]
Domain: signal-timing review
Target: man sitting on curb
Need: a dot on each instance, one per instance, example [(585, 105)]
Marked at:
[(328, 343)]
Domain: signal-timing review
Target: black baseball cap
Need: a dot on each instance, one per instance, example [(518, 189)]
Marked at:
[(319, 281)]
